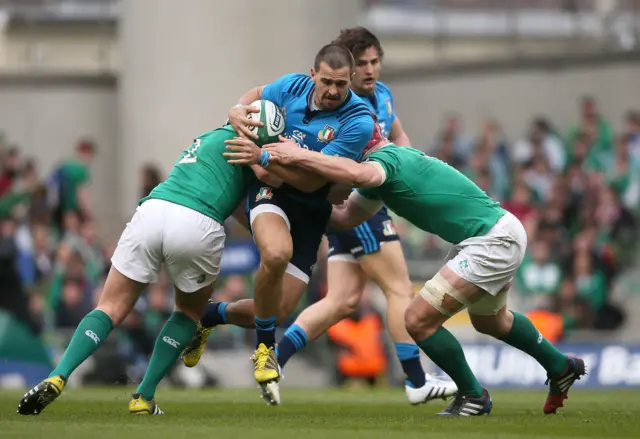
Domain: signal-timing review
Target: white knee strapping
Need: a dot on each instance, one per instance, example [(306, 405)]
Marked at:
[(434, 291)]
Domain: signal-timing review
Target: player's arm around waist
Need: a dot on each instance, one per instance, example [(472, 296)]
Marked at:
[(341, 170), (297, 177), (266, 177), (356, 210)]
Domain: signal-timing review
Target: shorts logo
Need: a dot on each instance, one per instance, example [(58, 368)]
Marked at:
[(388, 228), (356, 250), (265, 193), (92, 335), (326, 134), (201, 278), (170, 341), (464, 264)]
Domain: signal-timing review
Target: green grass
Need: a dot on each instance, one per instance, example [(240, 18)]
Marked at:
[(96, 413)]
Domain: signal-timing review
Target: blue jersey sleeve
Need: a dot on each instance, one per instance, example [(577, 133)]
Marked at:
[(393, 109), (351, 139), (277, 90), (387, 97)]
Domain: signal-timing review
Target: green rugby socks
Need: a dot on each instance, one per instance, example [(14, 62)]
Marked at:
[(445, 351), (92, 331), (524, 336), (173, 338)]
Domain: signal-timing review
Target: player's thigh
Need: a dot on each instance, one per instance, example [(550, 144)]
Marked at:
[(192, 248), (119, 295), (270, 224), (136, 261), (388, 269), (489, 263), (138, 254), (308, 225)]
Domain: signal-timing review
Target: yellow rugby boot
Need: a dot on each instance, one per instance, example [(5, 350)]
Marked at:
[(36, 399), (140, 406), (265, 365), (192, 353)]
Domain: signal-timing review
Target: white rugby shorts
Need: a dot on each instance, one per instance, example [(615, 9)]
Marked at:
[(189, 243), (491, 261)]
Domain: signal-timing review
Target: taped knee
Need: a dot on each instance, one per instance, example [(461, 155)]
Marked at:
[(443, 296)]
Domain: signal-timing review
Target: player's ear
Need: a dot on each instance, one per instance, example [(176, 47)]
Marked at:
[(313, 73)]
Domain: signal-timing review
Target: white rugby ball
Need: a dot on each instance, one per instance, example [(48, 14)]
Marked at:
[(272, 118)]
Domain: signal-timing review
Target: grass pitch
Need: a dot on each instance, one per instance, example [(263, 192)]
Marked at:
[(101, 413)]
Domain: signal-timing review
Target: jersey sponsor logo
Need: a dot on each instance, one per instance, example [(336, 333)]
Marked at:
[(388, 229), (298, 137), (326, 134), (389, 107), (264, 193), (171, 342), (92, 335)]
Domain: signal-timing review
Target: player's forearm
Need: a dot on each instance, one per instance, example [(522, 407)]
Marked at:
[(266, 177), (347, 218), (251, 96), (297, 177), (336, 169)]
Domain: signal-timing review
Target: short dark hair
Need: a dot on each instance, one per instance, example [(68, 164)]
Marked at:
[(358, 39), (336, 56)]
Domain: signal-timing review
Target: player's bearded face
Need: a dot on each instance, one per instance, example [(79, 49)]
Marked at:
[(367, 71), (332, 86)]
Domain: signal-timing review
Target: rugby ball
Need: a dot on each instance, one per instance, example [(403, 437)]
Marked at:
[(272, 118)]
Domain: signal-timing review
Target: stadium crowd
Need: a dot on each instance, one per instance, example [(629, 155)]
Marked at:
[(576, 191)]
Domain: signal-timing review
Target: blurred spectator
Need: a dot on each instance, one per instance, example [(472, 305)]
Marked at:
[(539, 177), (539, 277), (13, 297), (592, 124), (70, 183), (520, 202), (445, 151), (9, 170), (150, 177), (452, 139), (631, 134), (488, 163), (541, 140)]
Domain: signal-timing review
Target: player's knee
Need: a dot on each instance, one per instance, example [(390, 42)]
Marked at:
[(496, 324), (347, 305), (400, 291), (276, 257), (191, 312), (416, 324)]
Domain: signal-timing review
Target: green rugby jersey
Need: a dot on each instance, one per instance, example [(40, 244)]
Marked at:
[(432, 195), (202, 179)]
